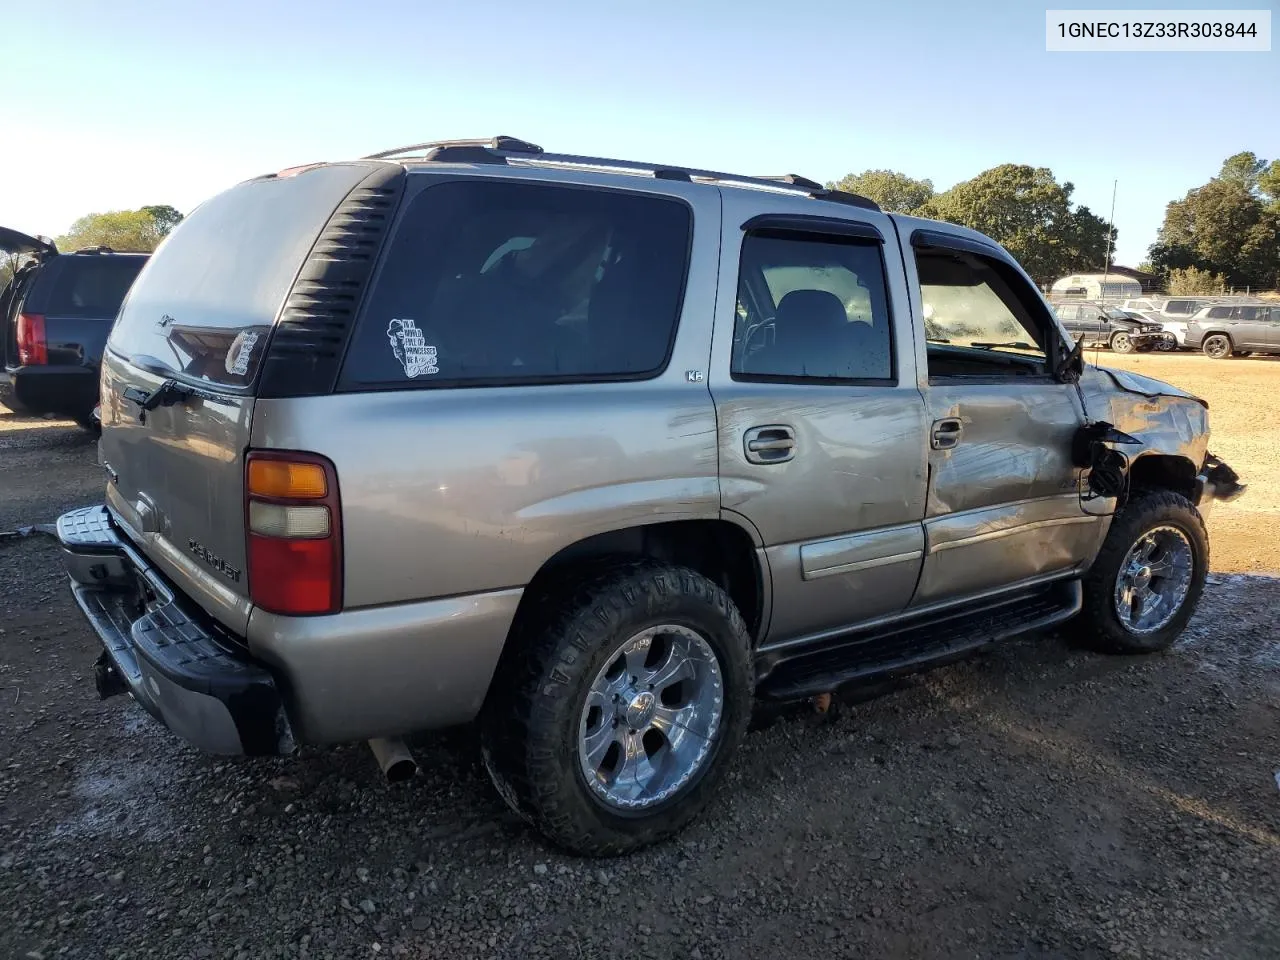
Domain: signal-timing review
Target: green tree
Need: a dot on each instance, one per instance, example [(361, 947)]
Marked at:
[(1269, 185), (1243, 168), (894, 191), (165, 216), (1027, 211), (1190, 280), (121, 229), (1225, 227)]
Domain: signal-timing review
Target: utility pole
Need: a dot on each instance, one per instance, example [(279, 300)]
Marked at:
[(1106, 266)]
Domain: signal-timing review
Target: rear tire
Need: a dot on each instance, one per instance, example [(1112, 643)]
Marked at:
[(567, 697), (1217, 346), (1128, 576)]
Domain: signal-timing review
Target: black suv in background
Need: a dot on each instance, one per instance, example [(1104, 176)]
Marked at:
[(55, 314), (1108, 326)]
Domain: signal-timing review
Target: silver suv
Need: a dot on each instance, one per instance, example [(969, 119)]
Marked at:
[(1225, 329), (595, 453)]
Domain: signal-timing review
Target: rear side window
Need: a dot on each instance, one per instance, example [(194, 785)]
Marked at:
[(1219, 313), (85, 286), (501, 282), (206, 302)]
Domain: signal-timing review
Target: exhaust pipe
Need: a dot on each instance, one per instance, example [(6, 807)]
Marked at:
[(394, 758)]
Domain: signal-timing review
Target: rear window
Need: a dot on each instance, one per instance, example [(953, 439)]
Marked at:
[(501, 282), (203, 307), (85, 286)]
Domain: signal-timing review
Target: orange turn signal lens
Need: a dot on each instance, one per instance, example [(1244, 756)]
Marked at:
[(286, 480)]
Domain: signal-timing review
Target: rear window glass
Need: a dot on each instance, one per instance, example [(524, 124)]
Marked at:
[(499, 282), (207, 300), (87, 286)]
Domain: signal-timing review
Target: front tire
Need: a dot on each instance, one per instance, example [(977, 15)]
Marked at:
[(1121, 342), (1217, 346), (1147, 578), (612, 723)]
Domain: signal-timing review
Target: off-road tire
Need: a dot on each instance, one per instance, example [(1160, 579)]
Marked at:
[(1097, 626), (529, 726), (1212, 346)]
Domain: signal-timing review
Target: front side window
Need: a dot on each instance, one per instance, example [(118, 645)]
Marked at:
[(503, 282), (811, 307), (979, 318)]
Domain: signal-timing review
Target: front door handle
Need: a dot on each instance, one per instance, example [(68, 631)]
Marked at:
[(946, 433), (775, 443)]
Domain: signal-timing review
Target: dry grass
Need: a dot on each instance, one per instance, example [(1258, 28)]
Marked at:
[(1244, 417)]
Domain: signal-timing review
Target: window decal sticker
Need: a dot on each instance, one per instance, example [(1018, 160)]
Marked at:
[(411, 348), (240, 353)]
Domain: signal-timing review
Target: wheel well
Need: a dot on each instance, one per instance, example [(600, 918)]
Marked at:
[(1164, 472), (721, 551), (1217, 333)]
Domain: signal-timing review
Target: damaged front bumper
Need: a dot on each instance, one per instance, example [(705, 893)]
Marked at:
[(162, 650), (1216, 481)]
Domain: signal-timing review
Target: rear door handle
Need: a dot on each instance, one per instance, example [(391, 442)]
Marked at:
[(775, 443), (946, 433)]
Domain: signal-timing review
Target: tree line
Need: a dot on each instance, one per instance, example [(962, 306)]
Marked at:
[(1224, 233), (138, 230)]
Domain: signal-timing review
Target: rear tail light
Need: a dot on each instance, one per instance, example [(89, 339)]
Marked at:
[(294, 523), (33, 348)]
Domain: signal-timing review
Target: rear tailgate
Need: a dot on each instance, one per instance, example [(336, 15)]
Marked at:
[(200, 317)]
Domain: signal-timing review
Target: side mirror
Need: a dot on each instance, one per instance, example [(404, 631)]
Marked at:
[(1071, 367)]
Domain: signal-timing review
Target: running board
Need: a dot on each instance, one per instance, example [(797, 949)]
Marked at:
[(915, 644)]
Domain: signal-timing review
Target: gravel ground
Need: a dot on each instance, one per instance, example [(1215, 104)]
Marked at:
[(1034, 802)]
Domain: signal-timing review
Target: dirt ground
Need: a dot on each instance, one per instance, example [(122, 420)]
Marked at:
[(1243, 395), (1034, 802)]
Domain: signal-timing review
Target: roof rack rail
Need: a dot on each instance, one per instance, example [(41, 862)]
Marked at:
[(796, 179), (511, 150), (440, 149)]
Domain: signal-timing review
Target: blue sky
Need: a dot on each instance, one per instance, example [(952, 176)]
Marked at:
[(115, 105)]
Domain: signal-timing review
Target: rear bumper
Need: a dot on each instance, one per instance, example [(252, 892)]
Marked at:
[(164, 652), (69, 391)]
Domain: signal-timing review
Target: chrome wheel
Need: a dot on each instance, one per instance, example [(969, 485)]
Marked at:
[(1154, 580), (1217, 347), (1121, 343), (651, 717)]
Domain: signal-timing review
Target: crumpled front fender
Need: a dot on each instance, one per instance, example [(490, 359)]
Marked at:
[(1166, 421)]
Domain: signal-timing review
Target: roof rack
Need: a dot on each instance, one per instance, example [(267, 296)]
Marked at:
[(432, 149), (513, 151)]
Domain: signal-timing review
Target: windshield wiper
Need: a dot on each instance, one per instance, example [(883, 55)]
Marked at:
[(1011, 345), (167, 394), (936, 340)]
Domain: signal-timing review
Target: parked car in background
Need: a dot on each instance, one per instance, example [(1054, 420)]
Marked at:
[(1175, 331), (55, 314), (351, 492), (1224, 330), (1108, 326)]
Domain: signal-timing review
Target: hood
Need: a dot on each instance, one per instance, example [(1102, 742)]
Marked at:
[(14, 241), (1148, 386)]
